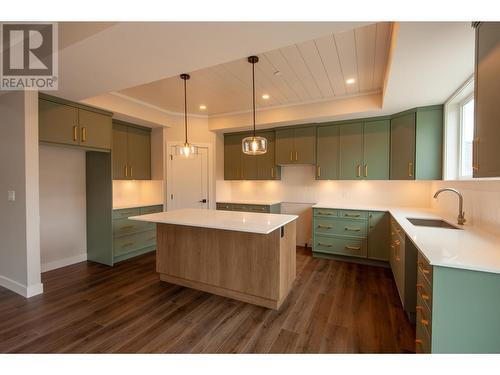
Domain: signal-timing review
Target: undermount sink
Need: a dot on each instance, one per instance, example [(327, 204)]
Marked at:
[(436, 223)]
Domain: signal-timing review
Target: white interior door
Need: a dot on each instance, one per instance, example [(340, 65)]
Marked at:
[(188, 180)]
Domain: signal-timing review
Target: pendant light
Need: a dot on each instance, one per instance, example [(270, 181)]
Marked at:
[(254, 145), (187, 149)]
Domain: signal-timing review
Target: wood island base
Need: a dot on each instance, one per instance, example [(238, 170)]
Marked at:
[(254, 268)]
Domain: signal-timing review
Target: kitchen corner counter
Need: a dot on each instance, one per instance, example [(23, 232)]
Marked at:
[(260, 223), (470, 247)]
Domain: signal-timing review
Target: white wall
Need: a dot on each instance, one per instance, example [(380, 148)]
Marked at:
[(19, 220), (299, 190), (62, 207), (481, 202)]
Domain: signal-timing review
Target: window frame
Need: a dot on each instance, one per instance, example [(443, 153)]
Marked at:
[(461, 105)]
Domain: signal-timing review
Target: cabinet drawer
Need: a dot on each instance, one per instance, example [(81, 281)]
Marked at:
[(151, 209), (327, 212), (424, 292), (133, 242), (340, 227), (123, 227), (341, 246), (422, 337), (424, 313), (126, 212), (257, 208), (354, 214), (424, 269)]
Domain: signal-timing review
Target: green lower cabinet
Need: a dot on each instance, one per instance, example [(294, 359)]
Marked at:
[(465, 313), (378, 235), (351, 233), (132, 238)]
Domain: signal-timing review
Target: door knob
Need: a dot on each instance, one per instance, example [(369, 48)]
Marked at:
[(203, 201)]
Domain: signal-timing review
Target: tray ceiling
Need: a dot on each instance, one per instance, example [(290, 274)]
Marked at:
[(311, 71)]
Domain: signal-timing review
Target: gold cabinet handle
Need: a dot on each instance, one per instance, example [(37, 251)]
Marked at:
[(325, 226), (366, 170), (272, 172), (126, 170), (318, 171), (423, 269), (126, 227), (75, 133), (358, 170), (352, 229), (351, 215), (296, 156), (425, 322), (291, 155), (131, 171), (128, 244), (418, 341), (257, 209), (419, 308), (84, 134), (324, 244), (410, 169), (352, 247)]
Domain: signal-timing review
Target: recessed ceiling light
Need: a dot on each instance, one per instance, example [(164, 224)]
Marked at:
[(265, 96), (350, 81), (203, 107)]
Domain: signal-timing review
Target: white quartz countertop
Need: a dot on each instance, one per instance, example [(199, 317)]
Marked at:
[(470, 247), (260, 203), (123, 206), (227, 220)]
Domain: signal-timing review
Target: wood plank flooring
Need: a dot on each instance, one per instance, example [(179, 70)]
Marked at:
[(334, 307)]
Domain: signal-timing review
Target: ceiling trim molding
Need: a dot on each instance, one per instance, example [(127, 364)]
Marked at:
[(269, 108), (156, 108), (390, 57)]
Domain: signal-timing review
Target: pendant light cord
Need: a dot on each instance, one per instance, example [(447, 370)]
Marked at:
[(253, 97), (185, 112)]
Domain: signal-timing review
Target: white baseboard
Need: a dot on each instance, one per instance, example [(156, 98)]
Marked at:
[(25, 291), (49, 266)]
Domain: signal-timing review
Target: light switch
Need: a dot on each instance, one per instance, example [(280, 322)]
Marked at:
[(11, 196)]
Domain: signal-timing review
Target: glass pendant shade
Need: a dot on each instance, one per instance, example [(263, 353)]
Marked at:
[(254, 145), (187, 150)]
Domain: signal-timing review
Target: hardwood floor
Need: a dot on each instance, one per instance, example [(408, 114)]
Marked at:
[(334, 307)]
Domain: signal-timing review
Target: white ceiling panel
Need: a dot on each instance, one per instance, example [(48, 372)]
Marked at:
[(307, 71)]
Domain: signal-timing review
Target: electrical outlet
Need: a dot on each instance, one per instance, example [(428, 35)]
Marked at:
[(11, 195)]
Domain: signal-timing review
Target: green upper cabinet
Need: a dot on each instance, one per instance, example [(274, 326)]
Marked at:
[(351, 151), (95, 129), (57, 123), (266, 163), (486, 162), (328, 152), (232, 157), (284, 146), (240, 166), (139, 153), (376, 140), (417, 144), (403, 147), (429, 143), (66, 123), (305, 145), (120, 152), (296, 145), (131, 152)]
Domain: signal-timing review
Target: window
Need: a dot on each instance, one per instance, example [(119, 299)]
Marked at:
[(466, 137)]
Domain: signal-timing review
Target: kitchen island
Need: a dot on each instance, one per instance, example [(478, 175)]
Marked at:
[(242, 255)]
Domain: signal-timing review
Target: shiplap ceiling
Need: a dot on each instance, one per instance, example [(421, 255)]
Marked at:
[(307, 72)]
